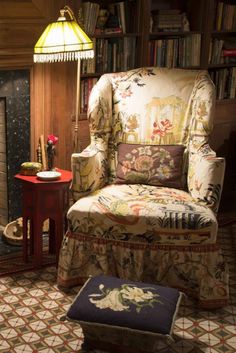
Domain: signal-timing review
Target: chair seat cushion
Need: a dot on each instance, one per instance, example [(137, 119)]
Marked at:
[(143, 213), (106, 307)]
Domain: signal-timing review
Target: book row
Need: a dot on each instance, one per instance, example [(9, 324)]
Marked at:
[(225, 82), (175, 52), (115, 17), (86, 86), (112, 54), (168, 20), (222, 51), (225, 16)]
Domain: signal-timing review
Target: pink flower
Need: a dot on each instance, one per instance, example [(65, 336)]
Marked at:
[(126, 94), (52, 140), (162, 128), (126, 167), (143, 163)]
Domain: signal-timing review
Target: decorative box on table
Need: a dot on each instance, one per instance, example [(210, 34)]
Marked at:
[(30, 168)]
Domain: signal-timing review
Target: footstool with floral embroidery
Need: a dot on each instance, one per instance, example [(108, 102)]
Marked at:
[(116, 313)]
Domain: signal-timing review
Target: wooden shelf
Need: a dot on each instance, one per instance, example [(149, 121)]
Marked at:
[(173, 33), (221, 66), (216, 33), (92, 74), (115, 35), (226, 101)]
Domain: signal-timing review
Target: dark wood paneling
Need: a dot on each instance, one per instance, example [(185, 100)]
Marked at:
[(223, 141), (21, 23), (53, 89)]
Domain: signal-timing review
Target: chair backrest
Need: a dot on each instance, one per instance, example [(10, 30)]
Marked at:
[(157, 106)]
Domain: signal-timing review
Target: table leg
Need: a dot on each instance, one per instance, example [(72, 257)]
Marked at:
[(25, 238), (31, 234), (52, 236), (38, 244), (59, 235)]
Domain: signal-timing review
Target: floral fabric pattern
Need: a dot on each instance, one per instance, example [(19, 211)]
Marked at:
[(148, 164), (197, 270), (144, 214), (84, 166), (120, 299), (162, 234), (206, 176), (111, 308)]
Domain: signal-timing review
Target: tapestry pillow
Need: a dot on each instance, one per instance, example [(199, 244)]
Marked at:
[(107, 307), (150, 164)]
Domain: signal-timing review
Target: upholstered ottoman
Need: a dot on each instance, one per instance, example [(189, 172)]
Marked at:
[(116, 314)]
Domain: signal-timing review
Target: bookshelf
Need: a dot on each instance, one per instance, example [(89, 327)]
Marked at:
[(114, 28), (221, 37), (213, 22), (192, 35), (172, 33), (176, 33), (221, 45)]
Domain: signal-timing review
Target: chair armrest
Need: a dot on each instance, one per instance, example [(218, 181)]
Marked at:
[(88, 170), (206, 176)]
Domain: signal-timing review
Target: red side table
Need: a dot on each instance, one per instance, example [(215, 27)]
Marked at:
[(43, 200)]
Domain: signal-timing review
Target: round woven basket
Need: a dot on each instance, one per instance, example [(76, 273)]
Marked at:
[(13, 232)]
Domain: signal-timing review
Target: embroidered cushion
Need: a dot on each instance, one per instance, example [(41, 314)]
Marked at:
[(107, 306), (158, 165)]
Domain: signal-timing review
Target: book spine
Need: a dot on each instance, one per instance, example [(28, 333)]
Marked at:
[(121, 12), (229, 52), (82, 96), (150, 56), (159, 48), (225, 82), (233, 83), (219, 14), (85, 96)]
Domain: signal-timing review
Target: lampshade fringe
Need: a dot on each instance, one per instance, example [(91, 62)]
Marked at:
[(66, 56)]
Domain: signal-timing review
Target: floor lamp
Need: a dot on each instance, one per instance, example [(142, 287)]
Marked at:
[(64, 40)]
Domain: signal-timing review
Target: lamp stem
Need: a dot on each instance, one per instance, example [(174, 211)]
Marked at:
[(77, 107)]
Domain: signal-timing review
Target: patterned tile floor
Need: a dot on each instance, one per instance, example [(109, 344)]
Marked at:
[(31, 306)]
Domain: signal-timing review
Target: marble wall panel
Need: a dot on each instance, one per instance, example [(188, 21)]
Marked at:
[(15, 89)]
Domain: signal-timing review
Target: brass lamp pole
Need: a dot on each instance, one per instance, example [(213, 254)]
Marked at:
[(64, 40)]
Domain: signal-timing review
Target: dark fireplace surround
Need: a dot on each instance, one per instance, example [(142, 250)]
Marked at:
[(15, 90)]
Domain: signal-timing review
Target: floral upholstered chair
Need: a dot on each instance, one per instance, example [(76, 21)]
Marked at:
[(148, 187)]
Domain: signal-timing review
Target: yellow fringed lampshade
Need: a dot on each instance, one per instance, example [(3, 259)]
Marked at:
[(63, 40)]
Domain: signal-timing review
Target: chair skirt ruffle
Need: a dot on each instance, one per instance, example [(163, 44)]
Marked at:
[(198, 270)]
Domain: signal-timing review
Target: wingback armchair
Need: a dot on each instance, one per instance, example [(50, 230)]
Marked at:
[(147, 188)]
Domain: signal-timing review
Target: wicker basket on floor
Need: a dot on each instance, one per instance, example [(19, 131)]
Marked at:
[(13, 232)]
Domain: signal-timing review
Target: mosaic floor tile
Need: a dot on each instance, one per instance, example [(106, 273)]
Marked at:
[(32, 305)]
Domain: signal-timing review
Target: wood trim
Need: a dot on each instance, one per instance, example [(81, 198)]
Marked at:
[(53, 107), (144, 26)]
